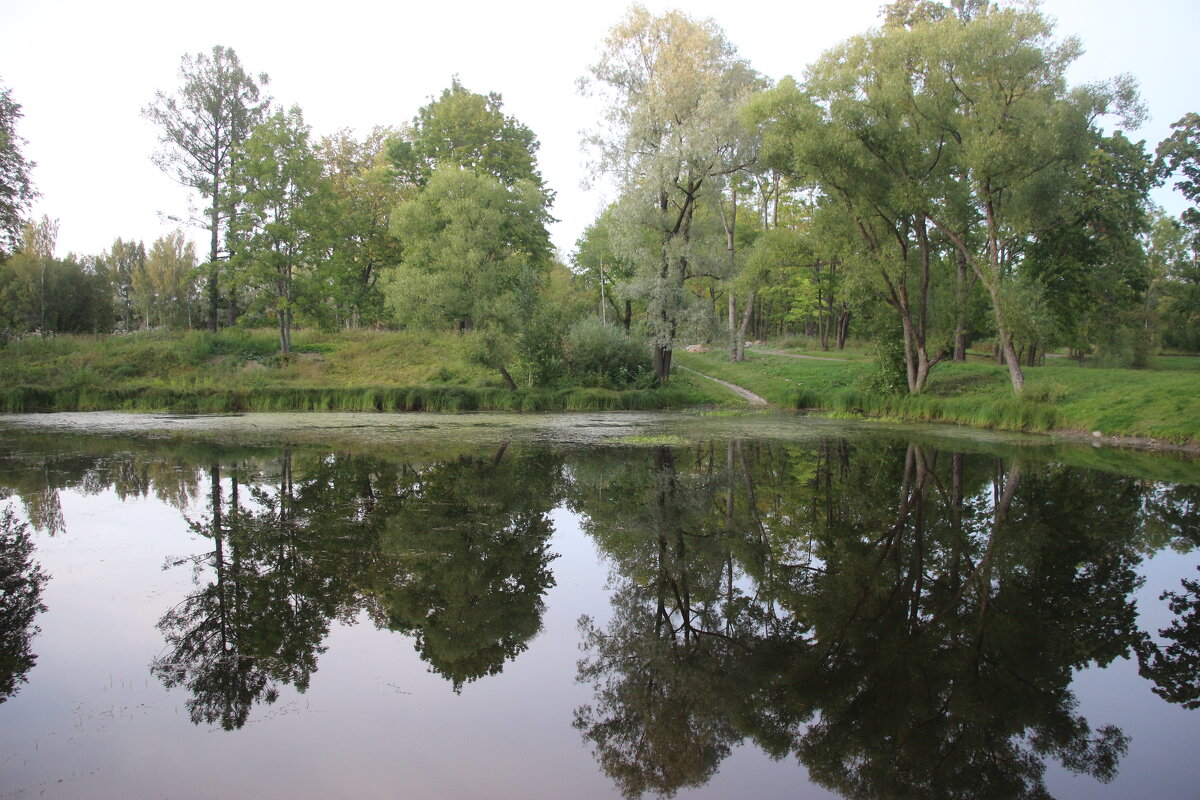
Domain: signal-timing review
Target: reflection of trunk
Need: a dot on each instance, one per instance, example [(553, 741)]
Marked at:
[(214, 476), (729, 485), (1002, 499), (664, 472), (956, 514)]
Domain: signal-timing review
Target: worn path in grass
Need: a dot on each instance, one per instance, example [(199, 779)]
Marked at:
[(770, 352), (750, 396)]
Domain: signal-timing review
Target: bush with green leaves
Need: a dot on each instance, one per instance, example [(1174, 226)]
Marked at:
[(890, 373), (600, 355)]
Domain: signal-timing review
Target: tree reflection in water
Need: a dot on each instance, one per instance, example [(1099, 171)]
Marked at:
[(468, 542), (21, 584), (921, 646), (455, 554), (905, 622)]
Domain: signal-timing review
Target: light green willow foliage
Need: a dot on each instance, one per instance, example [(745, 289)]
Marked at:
[(674, 87), (957, 119)]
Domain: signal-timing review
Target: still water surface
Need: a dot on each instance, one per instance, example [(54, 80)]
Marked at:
[(590, 606)]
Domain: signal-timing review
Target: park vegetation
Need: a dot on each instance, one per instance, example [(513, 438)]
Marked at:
[(932, 190)]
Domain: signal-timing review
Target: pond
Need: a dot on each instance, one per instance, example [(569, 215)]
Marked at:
[(593, 606)]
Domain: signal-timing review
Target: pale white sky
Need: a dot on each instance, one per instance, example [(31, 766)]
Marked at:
[(83, 70)]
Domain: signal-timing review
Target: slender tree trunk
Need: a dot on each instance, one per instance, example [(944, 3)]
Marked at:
[(214, 250), (508, 381), (960, 322), (733, 337), (740, 355), (662, 363)]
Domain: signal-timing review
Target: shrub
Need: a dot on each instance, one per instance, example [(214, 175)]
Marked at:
[(602, 356), (890, 375)]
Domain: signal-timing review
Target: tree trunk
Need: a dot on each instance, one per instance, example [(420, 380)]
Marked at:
[(662, 363), (733, 332), (960, 322), (740, 355), (214, 250), (508, 381)]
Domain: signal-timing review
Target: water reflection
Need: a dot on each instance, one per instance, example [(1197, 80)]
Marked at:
[(454, 554), (262, 617), (468, 548), (902, 621), (21, 583), (906, 623)]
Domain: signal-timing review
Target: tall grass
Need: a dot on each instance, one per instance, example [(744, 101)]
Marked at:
[(207, 400)]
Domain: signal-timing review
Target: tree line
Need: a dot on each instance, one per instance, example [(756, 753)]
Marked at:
[(931, 184)]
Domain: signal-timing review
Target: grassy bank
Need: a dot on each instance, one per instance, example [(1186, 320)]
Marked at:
[(1161, 403), (237, 371)]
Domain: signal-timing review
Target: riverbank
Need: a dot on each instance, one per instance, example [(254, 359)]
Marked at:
[(241, 371), (1147, 408)]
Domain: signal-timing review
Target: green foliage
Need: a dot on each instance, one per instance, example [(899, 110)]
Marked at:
[(604, 356), (1159, 403), (22, 582), (470, 131), (163, 291), (889, 375), (351, 230), (476, 251), (278, 176), (674, 86), (237, 370), (16, 190), (39, 292), (201, 130)]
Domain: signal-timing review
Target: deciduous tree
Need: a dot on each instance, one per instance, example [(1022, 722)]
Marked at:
[(201, 130), (16, 189), (674, 87)]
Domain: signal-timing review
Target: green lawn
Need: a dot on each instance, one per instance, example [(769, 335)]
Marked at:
[(1160, 403)]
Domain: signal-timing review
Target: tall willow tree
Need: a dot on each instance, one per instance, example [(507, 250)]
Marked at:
[(1018, 134), (673, 87), (475, 246), (201, 130), (951, 123)]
